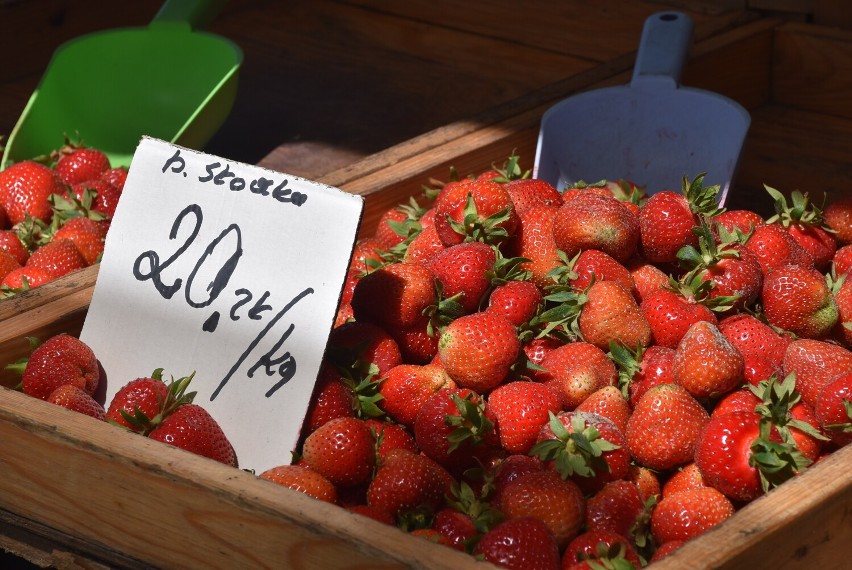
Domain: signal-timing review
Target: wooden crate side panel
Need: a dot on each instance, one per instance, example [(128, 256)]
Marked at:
[(812, 69), (116, 488)]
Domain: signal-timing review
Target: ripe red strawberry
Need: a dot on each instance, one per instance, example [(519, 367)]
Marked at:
[(838, 216), (736, 274), (25, 278), (87, 235), (192, 428), (815, 363), (424, 246), (670, 314), (341, 450), (706, 363), (81, 164), (116, 176), (590, 221), (743, 221), (833, 409), (617, 507), (76, 399), (558, 502), (394, 295), (665, 426), (390, 436), (518, 410), (303, 479), (804, 221), (97, 196), (611, 315), (610, 403), (366, 256), (407, 387), (8, 264), (775, 247), (452, 428), (602, 547), (647, 278), (518, 301), (534, 240), (528, 192), (481, 210), (457, 526), (463, 269), (478, 350), (667, 218), (761, 347), (799, 300), (842, 331), (523, 543), (686, 478), (585, 447), (332, 398), (25, 187), (143, 403), (418, 342), (646, 480), (57, 257), (688, 514), (358, 346), (390, 230), (11, 244), (406, 481), (61, 359), (576, 370), (843, 260), (593, 264), (654, 368)]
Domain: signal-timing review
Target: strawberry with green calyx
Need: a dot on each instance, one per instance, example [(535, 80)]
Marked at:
[(518, 300), (805, 222), (142, 404), (667, 218), (61, 359), (464, 271), (518, 410), (586, 447), (191, 428), (533, 240), (511, 170), (618, 507), (19, 242), (77, 163), (474, 210), (833, 409), (463, 499), (89, 236), (21, 280), (600, 550), (332, 398), (74, 205), (671, 311), (799, 300), (775, 247), (25, 187), (592, 221)]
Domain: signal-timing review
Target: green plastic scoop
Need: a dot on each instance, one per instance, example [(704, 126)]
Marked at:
[(166, 80)]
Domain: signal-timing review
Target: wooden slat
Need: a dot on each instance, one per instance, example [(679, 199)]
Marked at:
[(813, 69)]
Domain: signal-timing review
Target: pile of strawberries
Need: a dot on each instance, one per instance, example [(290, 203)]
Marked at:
[(65, 371), (54, 215), (577, 379)]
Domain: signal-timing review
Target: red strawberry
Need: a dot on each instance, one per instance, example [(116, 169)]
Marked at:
[(585, 447), (706, 363), (478, 350), (61, 359), (775, 247), (593, 264), (654, 368), (424, 246), (8, 264), (589, 221), (407, 387), (58, 257), (394, 295), (366, 256), (667, 218), (833, 409), (390, 436), (418, 342), (646, 480), (838, 216), (481, 210), (842, 331), (558, 502), (761, 347), (76, 399), (87, 235), (804, 221), (518, 410), (11, 244), (25, 278), (457, 526), (600, 546), (523, 543), (670, 315), (81, 165), (25, 187), (665, 426), (358, 346), (390, 230), (799, 300), (815, 363), (463, 269), (116, 176), (303, 479), (534, 240), (528, 192), (452, 428), (688, 514), (518, 301), (332, 398), (610, 314), (576, 370), (342, 450), (96, 195), (743, 221), (143, 403), (610, 403), (617, 507), (406, 481), (192, 428), (686, 478), (647, 278)]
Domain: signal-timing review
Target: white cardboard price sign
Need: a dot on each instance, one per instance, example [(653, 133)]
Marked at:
[(228, 270)]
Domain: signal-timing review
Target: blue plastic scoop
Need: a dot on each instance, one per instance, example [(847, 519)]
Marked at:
[(652, 131)]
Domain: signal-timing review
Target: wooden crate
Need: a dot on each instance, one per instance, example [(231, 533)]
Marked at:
[(74, 487)]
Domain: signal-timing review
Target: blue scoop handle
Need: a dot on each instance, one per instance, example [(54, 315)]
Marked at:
[(663, 48)]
